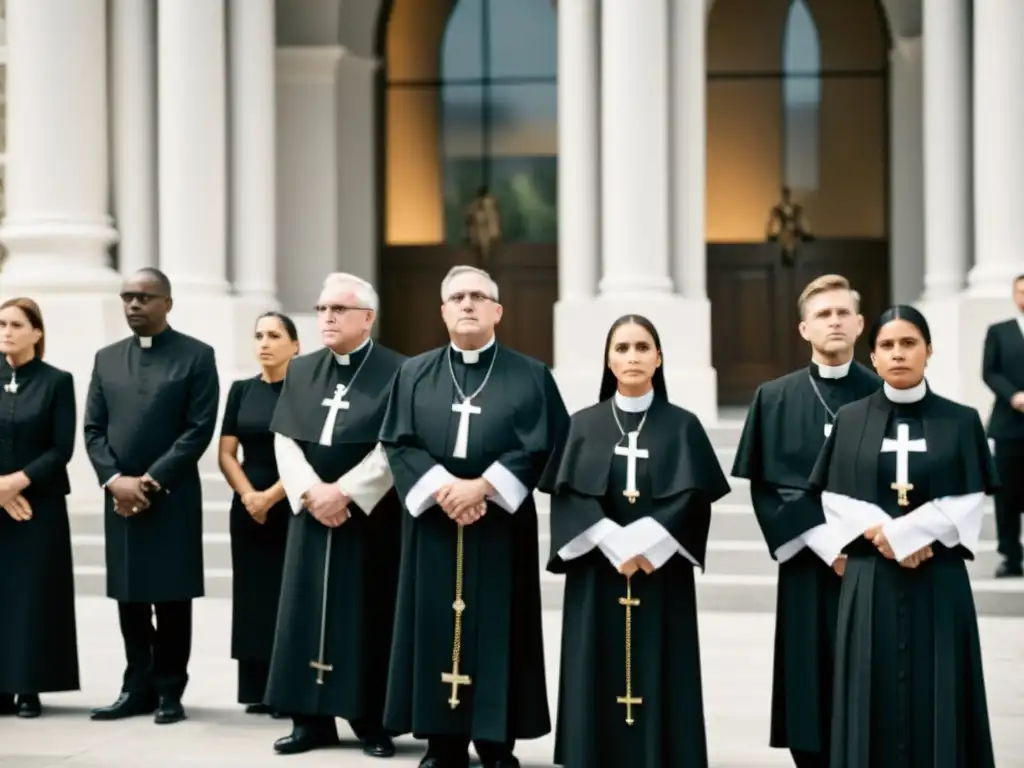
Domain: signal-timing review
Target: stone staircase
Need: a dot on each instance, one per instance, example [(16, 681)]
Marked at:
[(740, 575)]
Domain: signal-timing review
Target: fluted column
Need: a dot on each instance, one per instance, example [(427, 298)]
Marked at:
[(253, 153), (579, 154), (193, 144), (947, 146), (634, 148), (689, 128), (57, 228), (133, 130), (998, 147)]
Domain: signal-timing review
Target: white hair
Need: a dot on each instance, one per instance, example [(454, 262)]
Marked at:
[(467, 270), (363, 290)]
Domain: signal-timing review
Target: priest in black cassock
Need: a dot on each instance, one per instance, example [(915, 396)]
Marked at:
[(468, 430), (785, 429), (904, 477), (631, 496), (150, 415), (38, 638), (336, 614)]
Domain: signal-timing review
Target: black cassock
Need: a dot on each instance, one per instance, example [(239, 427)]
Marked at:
[(909, 689), (153, 410), (783, 434), (38, 639), (351, 596), (257, 551), (521, 419), (678, 478)]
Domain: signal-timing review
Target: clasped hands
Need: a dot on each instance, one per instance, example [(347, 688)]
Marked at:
[(464, 501), (257, 504), (130, 494), (876, 536), (327, 503), (11, 499)]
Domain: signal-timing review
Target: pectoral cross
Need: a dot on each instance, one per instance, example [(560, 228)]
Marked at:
[(320, 668), (629, 602), (828, 430), (455, 680), (12, 387), (903, 446), (333, 404), (465, 410), (632, 453)]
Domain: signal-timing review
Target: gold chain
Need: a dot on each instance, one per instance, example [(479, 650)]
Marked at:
[(454, 678), (629, 700)]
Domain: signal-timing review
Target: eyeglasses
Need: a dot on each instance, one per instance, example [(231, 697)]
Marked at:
[(337, 309), (477, 297), (142, 298)]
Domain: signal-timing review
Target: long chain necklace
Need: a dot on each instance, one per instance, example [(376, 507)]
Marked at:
[(622, 432), (490, 368)]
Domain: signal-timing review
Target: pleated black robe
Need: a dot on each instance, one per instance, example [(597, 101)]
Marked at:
[(38, 636), (782, 436), (909, 688), (677, 485)]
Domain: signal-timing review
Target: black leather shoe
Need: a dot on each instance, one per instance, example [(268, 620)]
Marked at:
[(435, 762), (257, 709), (169, 710), (127, 705), (378, 746), (510, 761), (28, 705), (1006, 570), (7, 704), (303, 739)]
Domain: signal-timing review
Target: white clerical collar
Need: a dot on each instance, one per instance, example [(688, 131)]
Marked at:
[(470, 356), (1020, 323), (145, 342), (634, 404), (833, 371), (911, 395), (346, 359)]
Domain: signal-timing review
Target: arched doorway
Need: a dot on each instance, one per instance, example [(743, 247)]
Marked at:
[(797, 97), (468, 100)]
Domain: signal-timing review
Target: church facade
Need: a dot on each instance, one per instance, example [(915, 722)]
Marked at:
[(634, 148)]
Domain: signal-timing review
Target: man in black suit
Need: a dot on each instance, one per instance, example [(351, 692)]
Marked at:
[(1003, 372)]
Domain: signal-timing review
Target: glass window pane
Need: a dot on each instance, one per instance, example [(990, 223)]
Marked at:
[(523, 161), (522, 36), (801, 97), (462, 146), (462, 51), (413, 176)]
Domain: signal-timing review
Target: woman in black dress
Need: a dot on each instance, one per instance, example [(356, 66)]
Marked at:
[(904, 477), (259, 510), (38, 638)]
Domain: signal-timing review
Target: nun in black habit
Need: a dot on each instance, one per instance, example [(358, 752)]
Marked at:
[(904, 477), (631, 493)]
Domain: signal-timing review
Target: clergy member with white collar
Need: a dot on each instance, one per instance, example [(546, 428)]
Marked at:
[(785, 429), (903, 480), (150, 415), (335, 618), (631, 494), (468, 431)]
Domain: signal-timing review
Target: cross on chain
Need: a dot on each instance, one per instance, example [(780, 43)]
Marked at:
[(333, 404), (455, 679), (465, 409), (632, 453), (903, 446), (320, 668)]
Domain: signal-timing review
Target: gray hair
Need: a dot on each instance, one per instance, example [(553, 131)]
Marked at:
[(363, 290), (467, 270)]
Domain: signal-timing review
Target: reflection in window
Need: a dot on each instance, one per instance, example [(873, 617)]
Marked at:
[(801, 98), (492, 76)]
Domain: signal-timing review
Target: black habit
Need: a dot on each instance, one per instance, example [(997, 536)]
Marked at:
[(677, 479), (909, 689), (38, 639), (783, 434), (521, 418), (338, 584), (257, 550)]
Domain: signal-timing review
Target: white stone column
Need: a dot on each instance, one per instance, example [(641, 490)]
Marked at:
[(906, 176), (634, 148), (998, 147), (253, 153), (947, 146), (579, 192), (193, 144), (133, 130), (57, 229), (689, 129)]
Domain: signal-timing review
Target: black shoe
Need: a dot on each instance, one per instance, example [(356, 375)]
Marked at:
[(510, 761), (378, 746), (435, 762), (1008, 570), (7, 704), (257, 709), (303, 738), (28, 705), (169, 710), (127, 705)]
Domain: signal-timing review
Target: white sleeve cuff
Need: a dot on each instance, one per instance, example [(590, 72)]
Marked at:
[(369, 481), (790, 549), (111, 479), (509, 493), (950, 521), (590, 538), (649, 538), (421, 497), (849, 518), (296, 474), (826, 541)]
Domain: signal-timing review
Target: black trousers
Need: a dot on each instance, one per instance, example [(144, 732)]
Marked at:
[(803, 759), (157, 654), (363, 729), (454, 750), (1010, 498)]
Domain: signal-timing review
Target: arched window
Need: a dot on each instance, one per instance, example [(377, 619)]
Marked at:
[(801, 98), (472, 102)]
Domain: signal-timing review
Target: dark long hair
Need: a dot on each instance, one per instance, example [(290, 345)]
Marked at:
[(287, 322), (35, 318), (900, 312), (609, 384)]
